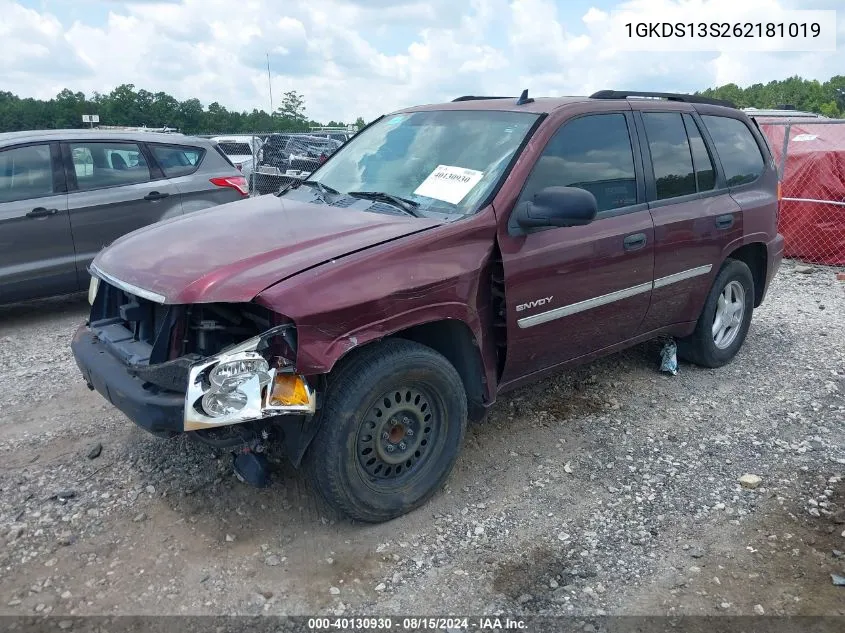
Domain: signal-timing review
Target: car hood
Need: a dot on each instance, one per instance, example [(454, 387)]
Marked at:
[(232, 252)]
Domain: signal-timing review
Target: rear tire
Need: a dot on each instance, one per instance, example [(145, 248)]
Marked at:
[(724, 320), (391, 427)]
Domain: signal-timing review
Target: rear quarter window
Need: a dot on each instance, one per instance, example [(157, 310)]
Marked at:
[(177, 160), (737, 148)]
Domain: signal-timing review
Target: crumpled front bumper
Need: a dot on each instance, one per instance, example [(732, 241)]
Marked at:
[(158, 411), (164, 412)]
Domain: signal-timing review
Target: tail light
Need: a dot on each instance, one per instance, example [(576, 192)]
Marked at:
[(235, 182), (323, 158)]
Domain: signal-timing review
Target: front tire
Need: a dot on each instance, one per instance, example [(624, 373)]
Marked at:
[(391, 428), (724, 320)]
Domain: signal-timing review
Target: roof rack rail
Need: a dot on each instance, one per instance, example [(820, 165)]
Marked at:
[(477, 98), (669, 96)]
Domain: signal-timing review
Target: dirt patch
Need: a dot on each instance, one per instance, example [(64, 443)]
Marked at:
[(779, 563)]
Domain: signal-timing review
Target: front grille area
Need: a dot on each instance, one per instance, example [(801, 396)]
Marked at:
[(138, 331), (144, 333)]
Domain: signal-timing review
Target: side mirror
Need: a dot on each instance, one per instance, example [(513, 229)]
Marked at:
[(557, 206)]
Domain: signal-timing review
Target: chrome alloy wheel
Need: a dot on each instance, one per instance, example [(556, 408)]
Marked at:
[(730, 310)]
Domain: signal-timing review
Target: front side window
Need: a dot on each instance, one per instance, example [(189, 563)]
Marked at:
[(177, 161), (737, 149), (446, 161), (101, 164), (593, 153), (670, 154), (25, 172)]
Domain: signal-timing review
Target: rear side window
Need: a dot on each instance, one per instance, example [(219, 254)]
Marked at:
[(25, 173), (705, 174), (177, 161), (737, 149), (99, 164), (670, 154), (592, 153)]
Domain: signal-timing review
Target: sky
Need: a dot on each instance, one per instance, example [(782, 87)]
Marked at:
[(352, 58)]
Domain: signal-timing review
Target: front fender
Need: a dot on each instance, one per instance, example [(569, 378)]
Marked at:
[(430, 276), (319, 350)]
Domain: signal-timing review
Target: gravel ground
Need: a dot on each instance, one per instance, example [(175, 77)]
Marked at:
[(609, 489)]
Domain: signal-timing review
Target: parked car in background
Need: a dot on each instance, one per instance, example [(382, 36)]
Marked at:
[(445, 255), (781, 113), (341, 134), (64, 194), (286, 156), (241, 149)]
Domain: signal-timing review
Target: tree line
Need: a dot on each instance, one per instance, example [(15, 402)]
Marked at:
[(827, 98), (126, 106)]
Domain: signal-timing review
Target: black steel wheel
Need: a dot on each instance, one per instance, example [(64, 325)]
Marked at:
[(396, 436), (391, 427)]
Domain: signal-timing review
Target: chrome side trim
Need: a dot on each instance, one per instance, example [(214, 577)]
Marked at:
[(682, 276), (588, 304), (595, 302), (127, 287)]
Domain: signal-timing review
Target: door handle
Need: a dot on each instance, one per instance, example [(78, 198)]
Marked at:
[(634, 242), (155, 195), (41, 212), (725, 221)]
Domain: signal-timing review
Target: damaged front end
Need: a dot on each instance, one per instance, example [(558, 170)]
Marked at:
[(224, 372), (247, 382)]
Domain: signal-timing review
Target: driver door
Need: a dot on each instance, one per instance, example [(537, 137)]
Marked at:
[(572, 291)]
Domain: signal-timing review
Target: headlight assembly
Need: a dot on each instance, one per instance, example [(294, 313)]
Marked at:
[(248, 381)]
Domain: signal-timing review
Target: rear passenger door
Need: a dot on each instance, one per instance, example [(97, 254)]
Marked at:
[(113, 190), (694, 216), (36, 248)]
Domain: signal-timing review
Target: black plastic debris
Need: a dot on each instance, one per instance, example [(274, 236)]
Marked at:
[(62, 496), (252, 468)]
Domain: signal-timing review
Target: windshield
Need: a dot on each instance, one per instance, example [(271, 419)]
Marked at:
[(446, 161)]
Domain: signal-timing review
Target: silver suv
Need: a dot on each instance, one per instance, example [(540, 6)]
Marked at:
[(64, 194)]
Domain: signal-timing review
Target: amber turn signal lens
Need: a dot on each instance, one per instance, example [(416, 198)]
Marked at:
[(288, 390)]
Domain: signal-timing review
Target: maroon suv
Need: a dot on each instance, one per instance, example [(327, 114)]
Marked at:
[(446, 254)]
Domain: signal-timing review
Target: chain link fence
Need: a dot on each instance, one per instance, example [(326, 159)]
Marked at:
[(811, 164), (272, 160)]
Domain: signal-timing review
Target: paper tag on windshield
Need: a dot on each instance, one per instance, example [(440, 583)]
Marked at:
[(450, 184)]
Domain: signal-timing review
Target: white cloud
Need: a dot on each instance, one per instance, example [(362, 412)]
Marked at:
[(363, 57)]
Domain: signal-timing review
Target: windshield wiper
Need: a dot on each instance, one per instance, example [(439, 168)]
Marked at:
[(319, 186), (408, 206), (311, 183)]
